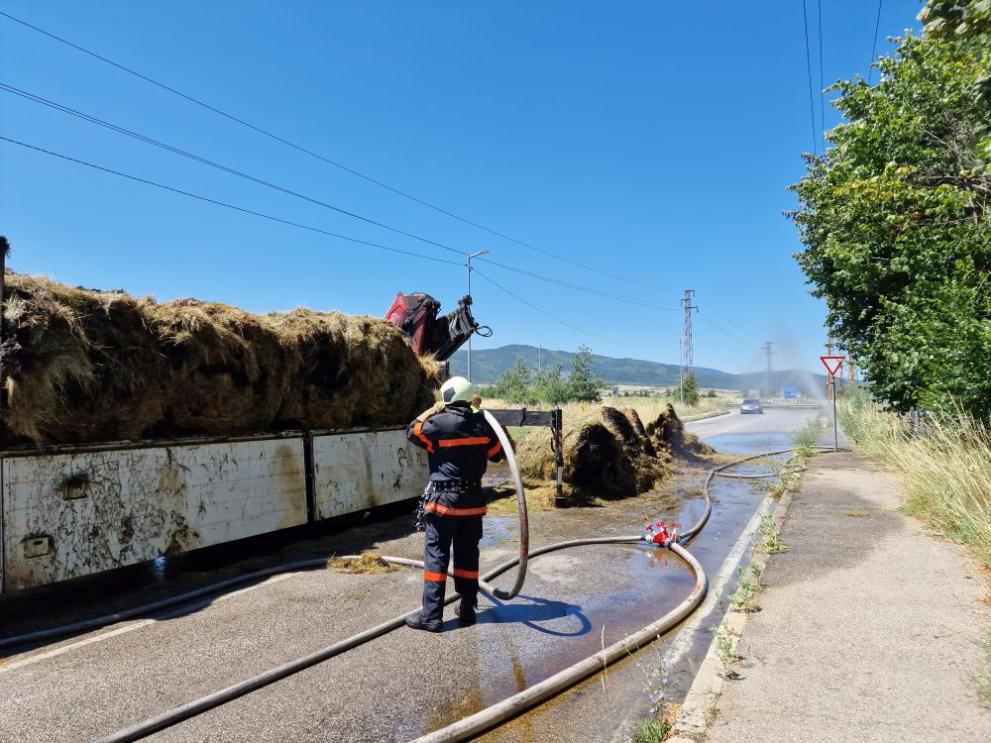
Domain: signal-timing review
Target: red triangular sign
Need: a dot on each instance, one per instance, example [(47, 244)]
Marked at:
[(832, 363)]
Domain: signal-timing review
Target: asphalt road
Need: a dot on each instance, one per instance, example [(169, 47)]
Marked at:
[(406, 683)]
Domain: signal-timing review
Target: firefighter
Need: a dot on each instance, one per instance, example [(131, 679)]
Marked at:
[(459, 443)]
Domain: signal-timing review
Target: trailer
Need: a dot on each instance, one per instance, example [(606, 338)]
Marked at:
[(72, 511)]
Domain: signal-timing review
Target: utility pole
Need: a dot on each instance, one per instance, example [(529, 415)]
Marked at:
[(540, 348), (687, 350), (472, 255), (770, 368), (829, 379)]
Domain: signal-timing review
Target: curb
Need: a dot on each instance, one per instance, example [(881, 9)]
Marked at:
[(700, 705), (703, 416)]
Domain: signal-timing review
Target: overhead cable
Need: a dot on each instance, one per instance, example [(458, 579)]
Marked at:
[(318, 156), (219, 166), (877, 26), (726, 332), (227, 169), (579, 287), (556, 319), (808, 68), (822, 84), (226, 205)]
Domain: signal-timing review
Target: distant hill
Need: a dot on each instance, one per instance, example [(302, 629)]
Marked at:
[(488, 364)]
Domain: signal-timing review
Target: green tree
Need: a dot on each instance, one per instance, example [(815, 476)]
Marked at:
[(584, 385), (689, 388), (515, 384), (551, 387), (895, 221)]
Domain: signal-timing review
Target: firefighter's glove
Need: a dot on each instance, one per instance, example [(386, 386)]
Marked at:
[(437, 407)]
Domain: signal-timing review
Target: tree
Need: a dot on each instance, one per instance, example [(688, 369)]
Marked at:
[(689, 388), (551, 387), (515, 384), (895, 218), (584, 385)]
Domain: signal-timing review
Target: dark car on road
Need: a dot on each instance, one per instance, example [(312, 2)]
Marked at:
[(751, 405)]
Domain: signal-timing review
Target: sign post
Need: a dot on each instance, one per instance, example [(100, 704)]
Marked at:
[(833, 365)]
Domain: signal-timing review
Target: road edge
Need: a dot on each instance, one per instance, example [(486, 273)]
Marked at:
[(702, 700)]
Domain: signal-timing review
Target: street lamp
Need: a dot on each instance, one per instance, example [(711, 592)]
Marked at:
[(470, 256)]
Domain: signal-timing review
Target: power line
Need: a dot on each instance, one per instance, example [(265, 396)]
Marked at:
[(318, 156), (822, 84), (218, 166), (877, 25), (225, 204), (728, 321), (725, 332), (556, 319), (808, 67), (579, 287)]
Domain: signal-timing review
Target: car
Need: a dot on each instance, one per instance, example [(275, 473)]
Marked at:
[(751, 405)]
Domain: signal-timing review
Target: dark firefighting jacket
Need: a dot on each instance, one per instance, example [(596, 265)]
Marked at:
[(459, 444)]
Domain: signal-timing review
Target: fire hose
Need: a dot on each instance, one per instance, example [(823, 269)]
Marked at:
[(470, 725)]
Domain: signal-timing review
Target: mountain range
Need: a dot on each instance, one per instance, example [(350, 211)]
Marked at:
[(489, 363)]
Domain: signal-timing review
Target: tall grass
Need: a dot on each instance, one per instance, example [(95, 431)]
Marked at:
[(945, 466), (806, 437)]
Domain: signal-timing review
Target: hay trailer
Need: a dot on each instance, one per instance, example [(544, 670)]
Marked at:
[(67, 512)]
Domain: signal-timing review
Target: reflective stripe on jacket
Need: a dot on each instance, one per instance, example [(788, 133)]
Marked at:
[(459, 443)]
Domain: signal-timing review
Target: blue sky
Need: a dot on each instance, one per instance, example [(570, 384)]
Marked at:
[(652, 140)]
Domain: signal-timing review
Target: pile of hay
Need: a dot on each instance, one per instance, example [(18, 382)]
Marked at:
[(81, 365), (613, 457), (369, 563)]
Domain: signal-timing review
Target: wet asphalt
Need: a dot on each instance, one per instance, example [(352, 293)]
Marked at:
[(405, 683)]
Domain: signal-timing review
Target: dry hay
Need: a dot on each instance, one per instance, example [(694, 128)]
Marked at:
[(618, 457), (649, 468), (83, 365), (668, 432), (369, 563)]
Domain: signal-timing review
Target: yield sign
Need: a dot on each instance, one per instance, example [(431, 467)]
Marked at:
[(832, 363)]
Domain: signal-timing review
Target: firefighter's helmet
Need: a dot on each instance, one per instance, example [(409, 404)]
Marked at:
[(455, 388)]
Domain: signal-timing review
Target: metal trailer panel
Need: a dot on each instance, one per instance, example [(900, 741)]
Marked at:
[(354, 472), (69, 515)]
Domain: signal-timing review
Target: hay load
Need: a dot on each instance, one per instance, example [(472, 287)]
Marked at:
[(613, 457), (83, 366)]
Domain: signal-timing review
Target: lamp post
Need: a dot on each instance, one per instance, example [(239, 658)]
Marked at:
[(470, 256)]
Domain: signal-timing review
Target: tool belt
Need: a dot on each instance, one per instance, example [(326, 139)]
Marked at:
[(453, 486)]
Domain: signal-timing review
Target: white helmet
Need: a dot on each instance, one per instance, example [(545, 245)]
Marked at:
[(455, 388)]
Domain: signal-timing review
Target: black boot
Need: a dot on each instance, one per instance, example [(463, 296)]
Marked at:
[(465, 611), (418, 622)]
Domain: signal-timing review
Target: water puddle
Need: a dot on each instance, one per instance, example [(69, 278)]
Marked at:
[(615, 597)]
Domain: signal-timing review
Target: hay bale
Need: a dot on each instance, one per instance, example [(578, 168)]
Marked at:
[(83, 365), (647, 466), (667, 432), (616, 458), (597, 466), (350, 371), (634, 418)]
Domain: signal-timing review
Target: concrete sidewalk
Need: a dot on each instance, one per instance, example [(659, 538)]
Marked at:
[(870, 630)]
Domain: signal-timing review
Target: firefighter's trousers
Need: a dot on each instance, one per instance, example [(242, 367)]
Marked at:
[(464, 532)]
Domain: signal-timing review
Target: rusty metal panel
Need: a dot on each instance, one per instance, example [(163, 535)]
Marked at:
[(70, 515), (356, 471)]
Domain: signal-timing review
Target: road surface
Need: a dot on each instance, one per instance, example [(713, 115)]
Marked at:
[(406, 683)]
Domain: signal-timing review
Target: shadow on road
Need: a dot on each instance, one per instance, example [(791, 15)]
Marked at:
[(536, 611)]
